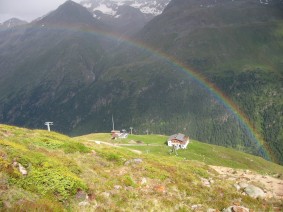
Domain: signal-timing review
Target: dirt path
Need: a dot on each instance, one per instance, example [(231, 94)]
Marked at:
[(117, 146), (272, 186)]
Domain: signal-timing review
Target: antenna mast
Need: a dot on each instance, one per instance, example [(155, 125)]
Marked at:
[(131, 128), (113, 122)]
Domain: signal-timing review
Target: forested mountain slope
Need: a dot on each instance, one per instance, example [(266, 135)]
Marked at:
[(238, 46), (70, 69)]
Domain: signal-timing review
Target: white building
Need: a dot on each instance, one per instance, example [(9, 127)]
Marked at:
[(178, 140), (117, 134)]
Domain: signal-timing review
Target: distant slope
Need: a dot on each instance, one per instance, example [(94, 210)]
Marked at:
[(237, 45), (48, 61), (76, 174)]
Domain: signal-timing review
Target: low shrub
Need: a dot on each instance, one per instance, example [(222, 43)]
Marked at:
[(128, 181), (46, 181), (72, 147)]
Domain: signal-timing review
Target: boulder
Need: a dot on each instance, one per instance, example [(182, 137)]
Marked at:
[(254, 192), (134, 161), (236, 209), (22, 170), (143, 181), (84, 204)]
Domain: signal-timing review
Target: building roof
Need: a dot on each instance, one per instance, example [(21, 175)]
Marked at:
[(179, 136), (115, 131)]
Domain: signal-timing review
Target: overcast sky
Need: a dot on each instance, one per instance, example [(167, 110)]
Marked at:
[(27, 10)]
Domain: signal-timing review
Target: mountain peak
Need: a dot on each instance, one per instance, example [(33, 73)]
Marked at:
[(69, 12), (69, 3), (13, 22)]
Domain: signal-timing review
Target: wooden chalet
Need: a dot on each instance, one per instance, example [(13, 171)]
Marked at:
[(178, 140)]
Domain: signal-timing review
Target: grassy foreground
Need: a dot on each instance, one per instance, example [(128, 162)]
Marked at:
[(84, 174)]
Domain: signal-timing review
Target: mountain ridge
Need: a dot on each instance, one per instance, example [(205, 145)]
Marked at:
[(110, 7), (68, 13)]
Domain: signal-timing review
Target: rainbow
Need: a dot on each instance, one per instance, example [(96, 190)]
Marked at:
[(211, 88)]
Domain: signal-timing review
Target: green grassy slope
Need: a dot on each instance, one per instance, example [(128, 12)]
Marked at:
[(207, 153), (62, 171)]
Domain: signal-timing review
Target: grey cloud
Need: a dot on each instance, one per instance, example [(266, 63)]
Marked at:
[(27, 9)]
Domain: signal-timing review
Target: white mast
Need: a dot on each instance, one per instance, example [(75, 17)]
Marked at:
[(48, 125), (113, 122)]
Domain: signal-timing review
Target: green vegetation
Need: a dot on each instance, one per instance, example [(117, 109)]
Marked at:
[(80, 79), (60, 176), (48, 174), (197, 151)]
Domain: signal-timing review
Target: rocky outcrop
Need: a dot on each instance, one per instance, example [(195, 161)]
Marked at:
[(246, 181)]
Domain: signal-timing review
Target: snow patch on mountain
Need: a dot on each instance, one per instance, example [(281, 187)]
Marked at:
[(87, 5), (105, 9), (264, 1), (150, 10), (110, 7)]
